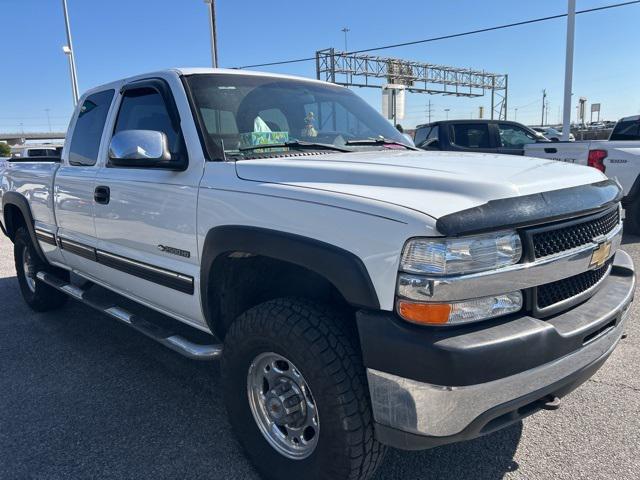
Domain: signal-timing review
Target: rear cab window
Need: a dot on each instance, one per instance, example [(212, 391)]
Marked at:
[(87, 132), (628, 129)]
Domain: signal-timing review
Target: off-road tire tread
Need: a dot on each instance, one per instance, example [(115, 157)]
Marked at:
[(333, 339)]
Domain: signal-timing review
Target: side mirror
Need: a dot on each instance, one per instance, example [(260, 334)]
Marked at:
[(139, 148)]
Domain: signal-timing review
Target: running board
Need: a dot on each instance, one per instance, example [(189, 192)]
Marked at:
[(160, 334)]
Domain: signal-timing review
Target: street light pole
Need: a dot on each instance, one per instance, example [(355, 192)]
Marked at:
[(345, 30), (68, 50), (568, 70), (213, 32)]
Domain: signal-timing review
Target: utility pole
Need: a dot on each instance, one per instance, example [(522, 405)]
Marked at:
[(447, 112), (345, 30), (515, 114), (568, 69), (546, 115), (70, 52), (544, 101), (213, 32), (429, 111)]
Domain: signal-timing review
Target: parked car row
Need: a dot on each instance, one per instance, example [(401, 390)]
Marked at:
[(552, 134)]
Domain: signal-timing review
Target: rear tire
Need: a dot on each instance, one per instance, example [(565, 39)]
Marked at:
[(39, 296), (320, 347)]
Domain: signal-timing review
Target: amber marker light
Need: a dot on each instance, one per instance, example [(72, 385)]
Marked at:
[(425, 313)]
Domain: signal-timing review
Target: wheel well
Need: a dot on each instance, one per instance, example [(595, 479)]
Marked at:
[(238, 281), (13, 220)]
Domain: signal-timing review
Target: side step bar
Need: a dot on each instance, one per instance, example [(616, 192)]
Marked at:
[(178, 343)]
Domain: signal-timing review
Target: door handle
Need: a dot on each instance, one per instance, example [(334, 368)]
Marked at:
[(550, 150), (102, 195)]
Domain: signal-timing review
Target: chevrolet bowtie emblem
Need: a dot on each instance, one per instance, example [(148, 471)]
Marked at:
[(600, 254)]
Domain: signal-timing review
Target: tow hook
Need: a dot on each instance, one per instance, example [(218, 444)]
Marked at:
[(550, 402)]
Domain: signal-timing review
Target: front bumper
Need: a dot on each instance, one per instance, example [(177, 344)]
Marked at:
[(434, 386)]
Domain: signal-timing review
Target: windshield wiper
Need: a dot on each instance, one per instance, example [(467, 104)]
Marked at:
[(296, 144), (379, 141)]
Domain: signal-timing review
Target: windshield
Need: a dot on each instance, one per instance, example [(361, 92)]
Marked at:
[(238, 113)]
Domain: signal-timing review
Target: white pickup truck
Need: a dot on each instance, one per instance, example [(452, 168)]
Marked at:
[(618, 158), (358, 292)]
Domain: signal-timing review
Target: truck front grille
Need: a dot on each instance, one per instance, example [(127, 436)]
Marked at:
[(556, 292), (552, 241)]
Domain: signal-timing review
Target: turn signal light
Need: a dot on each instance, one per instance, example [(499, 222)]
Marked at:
[(425, 313), (457, 313)]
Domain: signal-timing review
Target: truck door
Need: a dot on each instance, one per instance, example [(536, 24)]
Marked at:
[(146, 222), (471, 137), (74, 182)]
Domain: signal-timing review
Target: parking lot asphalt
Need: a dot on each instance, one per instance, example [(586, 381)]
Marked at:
[(82, 396)]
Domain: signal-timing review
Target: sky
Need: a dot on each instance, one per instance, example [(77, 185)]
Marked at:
[(119, 38)]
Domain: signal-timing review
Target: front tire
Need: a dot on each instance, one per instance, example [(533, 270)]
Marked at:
[(296, 393), (39, 296)]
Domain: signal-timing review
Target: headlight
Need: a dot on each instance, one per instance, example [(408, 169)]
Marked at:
[(454, 256), (456, 313)]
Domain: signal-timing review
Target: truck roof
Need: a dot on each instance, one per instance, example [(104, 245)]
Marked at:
[(468, 120), (200, 71)]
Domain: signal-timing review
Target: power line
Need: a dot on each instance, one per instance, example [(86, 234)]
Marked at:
[(453, 35)]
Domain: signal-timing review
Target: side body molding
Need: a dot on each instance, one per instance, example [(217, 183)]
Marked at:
[(342, 268), (19, 201)]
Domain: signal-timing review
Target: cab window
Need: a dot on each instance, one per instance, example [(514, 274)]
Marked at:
[(512, 136), (470, 135), (87, 132)]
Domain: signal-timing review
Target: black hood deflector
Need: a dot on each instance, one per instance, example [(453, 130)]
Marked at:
[(532, 209)]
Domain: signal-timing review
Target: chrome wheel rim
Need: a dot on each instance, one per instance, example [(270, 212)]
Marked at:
[(283, 406), (28, 269)]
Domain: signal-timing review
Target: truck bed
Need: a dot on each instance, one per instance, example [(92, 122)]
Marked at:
[(33, 180)]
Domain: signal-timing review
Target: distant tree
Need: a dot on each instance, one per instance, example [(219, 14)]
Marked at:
[(5, 150)]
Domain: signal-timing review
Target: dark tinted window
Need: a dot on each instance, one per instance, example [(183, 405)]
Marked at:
[(87, 132), (626, 130), (145, 109), (42, 152), (421, 135), (512, 136), (470, 135)]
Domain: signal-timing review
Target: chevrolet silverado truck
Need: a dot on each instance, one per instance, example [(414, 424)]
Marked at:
[(359, 293), (618, 158)]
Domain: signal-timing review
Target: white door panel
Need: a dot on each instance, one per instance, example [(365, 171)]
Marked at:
[(143, 214)]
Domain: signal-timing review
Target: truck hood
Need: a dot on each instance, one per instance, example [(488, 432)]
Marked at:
[(434, 183)]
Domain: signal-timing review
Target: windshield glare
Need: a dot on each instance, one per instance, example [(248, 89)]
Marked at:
[(237, 112)]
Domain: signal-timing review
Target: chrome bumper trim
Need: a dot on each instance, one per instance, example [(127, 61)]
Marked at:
[(442, 411), (515, 277)]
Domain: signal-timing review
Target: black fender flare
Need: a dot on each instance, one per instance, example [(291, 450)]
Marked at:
[(340, 267), (18, 200)]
